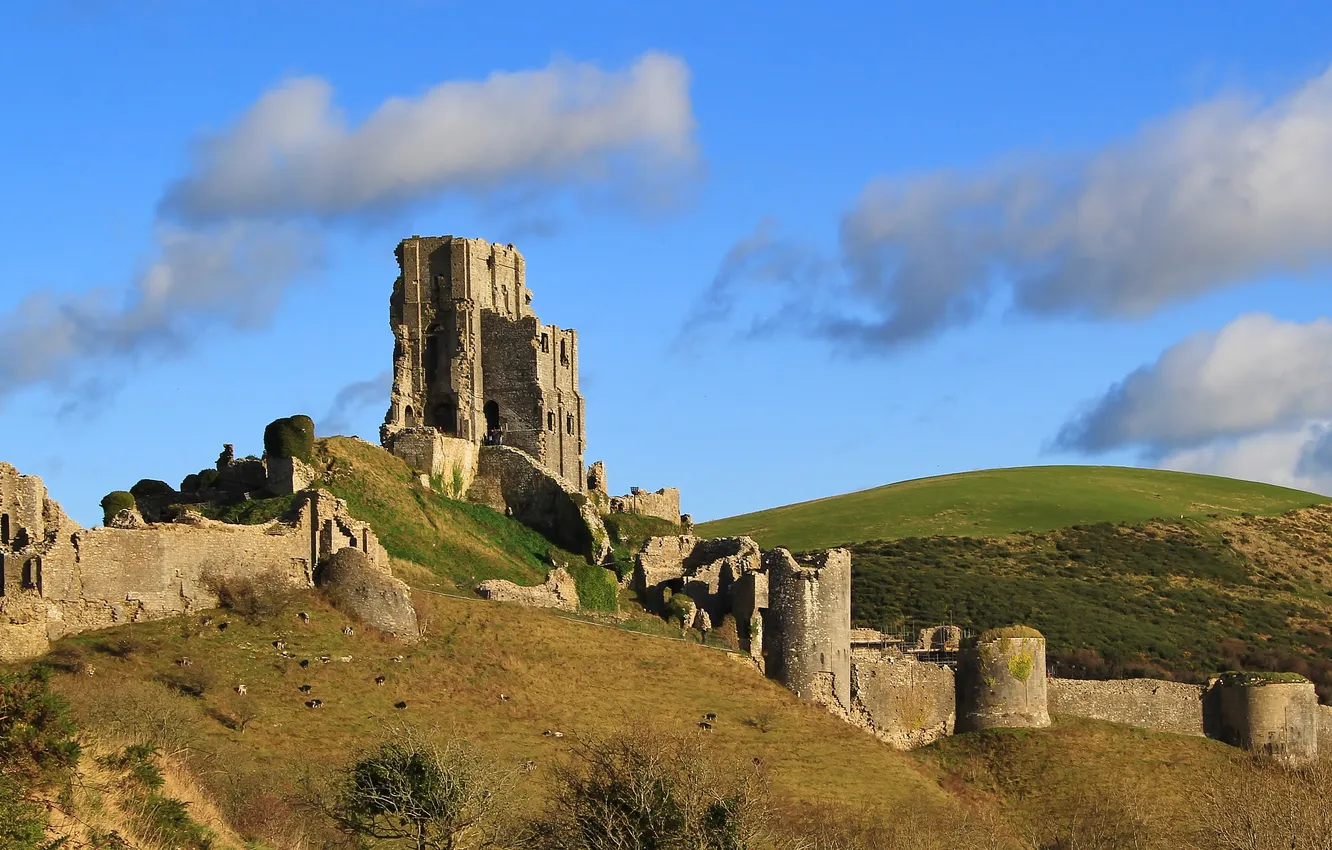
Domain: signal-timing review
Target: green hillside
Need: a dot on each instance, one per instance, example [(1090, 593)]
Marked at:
[(999, 501)]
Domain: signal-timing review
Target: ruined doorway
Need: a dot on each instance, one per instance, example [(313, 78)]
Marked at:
[(446, 416), (494, 433)]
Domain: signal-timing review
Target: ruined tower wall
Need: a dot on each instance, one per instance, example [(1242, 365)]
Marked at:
[(1279, 719), (807, 632), (1001, 684), (467, 344)]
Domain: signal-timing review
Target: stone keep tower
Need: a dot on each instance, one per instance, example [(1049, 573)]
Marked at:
[(472, 361)]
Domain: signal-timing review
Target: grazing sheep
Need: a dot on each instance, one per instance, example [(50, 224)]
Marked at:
[(185, 662), (710, 716), (315, 703), (504, 697), (305, 618), (222, 627), (345, 659), (279, 644), (528, 766), (346, 630), (324, 659), (379, 680), (305, 662), (90, 670), (399, 705), (305, 689), (559, 734), (240, 689), (705, 726), (397, 659)]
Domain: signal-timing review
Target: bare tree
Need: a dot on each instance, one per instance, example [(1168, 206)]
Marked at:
[(418, 791), (646, 790)]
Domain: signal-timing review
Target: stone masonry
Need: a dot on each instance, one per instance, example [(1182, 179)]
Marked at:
[(472, 361), (57, 578)]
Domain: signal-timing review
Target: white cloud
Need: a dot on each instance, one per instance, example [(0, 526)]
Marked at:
[(231, 275), (234, 233), (1216, 195), (1276, 457), (1256, 374), (294, 153)]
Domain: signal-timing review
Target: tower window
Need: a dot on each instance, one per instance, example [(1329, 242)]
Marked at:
[(550, 420), (564, 353), (4, 529), (545, 343), (568, 423)]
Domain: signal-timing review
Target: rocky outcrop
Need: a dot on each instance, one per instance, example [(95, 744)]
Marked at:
[(513, 483), (559, 591), (355, 584)]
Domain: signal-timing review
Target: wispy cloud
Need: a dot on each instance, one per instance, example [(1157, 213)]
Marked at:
[(244, 224), (351, 400), (293, 152), (1216, 195)]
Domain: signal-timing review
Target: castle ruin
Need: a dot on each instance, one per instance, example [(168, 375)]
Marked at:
[(471, 360)]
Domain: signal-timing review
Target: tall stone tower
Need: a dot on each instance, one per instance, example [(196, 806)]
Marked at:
[(471, 360)]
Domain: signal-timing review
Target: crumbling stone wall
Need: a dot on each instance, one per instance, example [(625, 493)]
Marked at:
[(72, 579), (1146, 703), (472, 361), (450, 461), (903, 702), (704, 569), (663, 504), (356, 583), (511, 482), (558, 591)]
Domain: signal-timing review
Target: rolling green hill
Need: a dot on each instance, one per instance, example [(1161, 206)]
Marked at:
[(1000, 501)]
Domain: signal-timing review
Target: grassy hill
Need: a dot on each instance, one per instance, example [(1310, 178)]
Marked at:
[(999, 501), (243, 758)]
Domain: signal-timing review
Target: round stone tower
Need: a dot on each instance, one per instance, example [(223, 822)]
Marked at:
[(807, 628), (1271, 713), (1001, 681)]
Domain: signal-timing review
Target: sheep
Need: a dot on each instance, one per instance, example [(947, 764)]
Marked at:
[(346, 630), (379, 680), (705, 726), (710, 716), (185, 662), (305, 689), (305, 618), (315, 703), (345, 659), (240, 689), (400, 705)]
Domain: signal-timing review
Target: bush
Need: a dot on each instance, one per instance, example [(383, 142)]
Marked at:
[(677, 607), (597, 587), (291, 436), (151, 488), (257, 599), (115, 502), (208, 478), (37, 752), (190, 483), (424, 793), (649, 790), (190, 681)]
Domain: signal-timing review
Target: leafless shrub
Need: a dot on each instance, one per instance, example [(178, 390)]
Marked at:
[(1259, 803)]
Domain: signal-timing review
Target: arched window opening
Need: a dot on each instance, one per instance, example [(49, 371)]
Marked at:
[(545, 343), (569, 423), (32, 574), (409, 417), (564, 353), (550, 421)]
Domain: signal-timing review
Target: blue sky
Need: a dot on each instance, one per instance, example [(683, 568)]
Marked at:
[(808, 249)]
